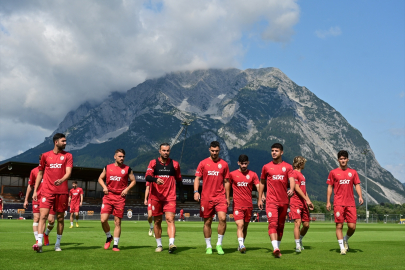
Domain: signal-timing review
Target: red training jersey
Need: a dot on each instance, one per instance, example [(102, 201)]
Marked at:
[(33, 179), (296, 199), (213, 174), (277, 176), (167, 191), (117, 178), (75, 195), (181, 212), (342, 182), (1, 204), (54, 168), (242, 185)]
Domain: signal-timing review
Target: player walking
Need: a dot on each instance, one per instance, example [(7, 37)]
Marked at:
[(163, 174), (242, 181), (115, 191), (149, 204), (55, 169), (341, 180), (277, 174), (35, 207), (182, 215), (75, 201), (299, 203), (215, 194), (1, 207)]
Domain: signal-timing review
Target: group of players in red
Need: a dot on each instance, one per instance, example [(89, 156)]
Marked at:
[(285, 188)]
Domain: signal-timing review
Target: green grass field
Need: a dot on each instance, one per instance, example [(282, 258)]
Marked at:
[(374, 246)]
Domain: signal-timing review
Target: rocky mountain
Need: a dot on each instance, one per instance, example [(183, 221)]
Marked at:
[(246, 110)]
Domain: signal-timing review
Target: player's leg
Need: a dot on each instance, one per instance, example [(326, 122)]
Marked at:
[(305, 217), (282, 213), (158, 232), (351, 218), (71, 218), (248, 216), (35, 225), (106, 211), (221, 231), (77, 218), (60, 216), (272, 219), (117, 232), (207, 234), (49, 228), (297, 226), (171, 230), (239, 234), (339, 220), (150, 220)]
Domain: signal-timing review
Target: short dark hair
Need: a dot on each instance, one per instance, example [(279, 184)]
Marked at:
[(214, 144), (120, 151), (74, 182), (58, 136), (343, 153), (163, 144), (40, 156), (278, 146), (243, 158)]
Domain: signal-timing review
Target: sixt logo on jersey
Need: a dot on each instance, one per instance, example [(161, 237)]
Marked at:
[(242, 184), (344, 182), (55, 166), (115, 178), (214, 173), (278, 177), (302, 183), (163, 176)]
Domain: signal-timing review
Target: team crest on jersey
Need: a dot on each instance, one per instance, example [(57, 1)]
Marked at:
[(62, 158), (153, 207), (129, 213), (236, 212), (337, 214), (202, 208), (269, 214), (43, 199), (283, 169), (350, 174), (122, 171), (219, 166), (35, 206), (298, 211), (248, 177), (65, 213), (149, 205), (102, 206)]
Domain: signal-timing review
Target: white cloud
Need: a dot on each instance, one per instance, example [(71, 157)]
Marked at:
[(57, 54), (398, 132), (333, 31), (398, 171)]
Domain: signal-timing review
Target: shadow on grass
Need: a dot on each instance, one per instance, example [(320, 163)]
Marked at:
[(351, 250), (136, 247), (234, 250), (81, 248)]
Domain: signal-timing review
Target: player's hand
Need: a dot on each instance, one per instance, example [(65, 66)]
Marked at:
[(25, 204), (310, 205), (34, 196), (290, 192), (58, 182), (360, 200), (68, 203), (328, 206), (124, 193), (228, 202), (81, 203), (197, 196), (145, 202), (260, 204), (160, 181), (105, 190), (263, 198)]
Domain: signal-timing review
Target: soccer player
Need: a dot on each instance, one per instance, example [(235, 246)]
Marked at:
[(215, 194), (149, 204), (164, 175), (299, 203), (182, 215), (341, 181), (55, 169), (277, 174), (115, 191), (1, 207), (75, 201), (35, 207), (242, 181)]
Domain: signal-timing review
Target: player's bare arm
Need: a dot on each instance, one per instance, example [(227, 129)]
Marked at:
[(131, 177), (263, 196), (328, 195), (101, 182), (298, 190), (81, 199), (65, 177), (37, 182), (358, 190), (70, 198), (146, 195), (290, 192), (227, 185), (261, 189), (196, 186), (26, 196)]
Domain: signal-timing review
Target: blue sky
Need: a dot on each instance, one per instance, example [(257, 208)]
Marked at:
[(57, 55), (351, 54)]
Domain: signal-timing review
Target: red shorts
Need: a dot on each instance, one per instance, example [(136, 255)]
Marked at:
[(244, 213), (276, 214), (300, 212), (149, 206), (345, 213), (59, 202), (74, 208), (209, 208), (113, 204), (160, 207)]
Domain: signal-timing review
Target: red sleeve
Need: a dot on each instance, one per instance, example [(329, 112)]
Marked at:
[(69, 161), (264, 173), (70, 193), (31, 182), (230, 178), (356, 179), (295, 175), (176, 166), (255, 179), (330, 179), (290, 172), (147, 184), (200, 169), (226, 172), (151, 168), (42, 163), (81, 191)]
